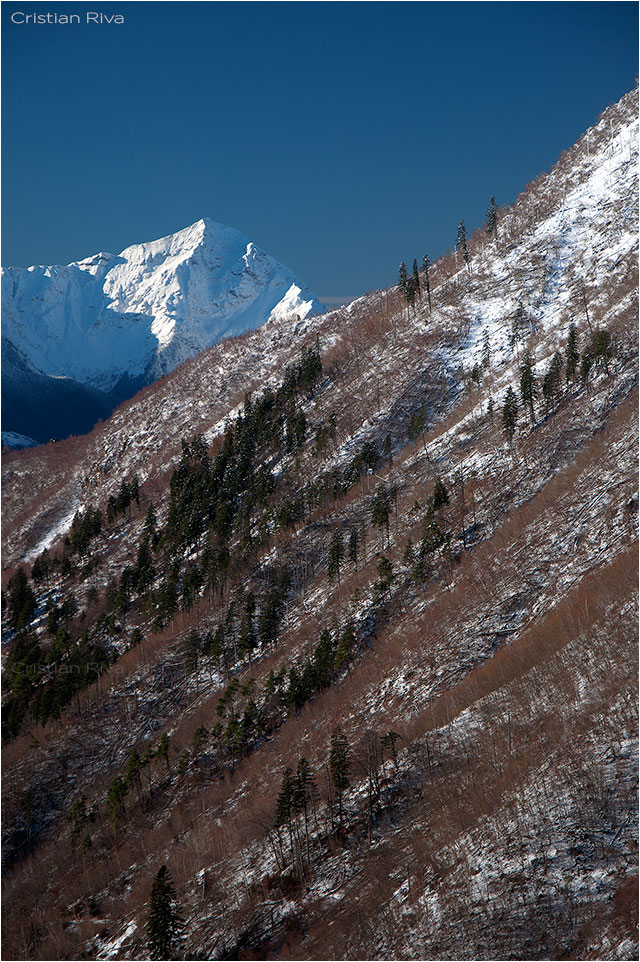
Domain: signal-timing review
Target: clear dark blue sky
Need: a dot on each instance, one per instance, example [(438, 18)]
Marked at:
[(340, 137)]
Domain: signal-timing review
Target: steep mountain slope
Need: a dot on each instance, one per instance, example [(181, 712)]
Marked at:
[(113, 323), (358, 544)]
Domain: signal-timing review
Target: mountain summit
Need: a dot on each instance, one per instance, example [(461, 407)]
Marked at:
[(98, 329)]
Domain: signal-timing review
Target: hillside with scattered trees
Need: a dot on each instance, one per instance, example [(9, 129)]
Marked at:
[(324, 646)]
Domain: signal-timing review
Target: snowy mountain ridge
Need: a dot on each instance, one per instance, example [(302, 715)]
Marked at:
[(113, 322)]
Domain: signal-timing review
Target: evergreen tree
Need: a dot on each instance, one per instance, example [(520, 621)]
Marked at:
[(403, 278), (22, 600), (528, 384), (411, 291), (519, 324), (440, 495), (571, 354), (600, 350), (586, 362), (408, 555), (78, 818), (385, 575), (510, 414), (144, 572), (151, 525), (345, 647), (133, 771), (380, 507), (426, 264), (339, 764), (486, 351), (41, 567), (116, 795), (389, 741), (416, 425), (461, 243), (492, 220), (165, 924), (416, 277), (551, 381)]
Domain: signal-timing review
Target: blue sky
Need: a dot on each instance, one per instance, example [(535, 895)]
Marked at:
[(340, 137)]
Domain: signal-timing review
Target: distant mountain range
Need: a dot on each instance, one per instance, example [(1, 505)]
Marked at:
[(79, 339)]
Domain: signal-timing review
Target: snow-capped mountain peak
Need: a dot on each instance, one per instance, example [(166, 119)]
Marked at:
[(114, 322)]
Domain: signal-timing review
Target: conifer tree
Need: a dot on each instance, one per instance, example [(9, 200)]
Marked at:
[(78, 818), (151, 524), (586, 362), (492, 221), (22, 600), (389, 741), (510, 414), (385, 574), (339, 764), (380, 507), (345, 647), (571, 354), (284, 800), (486, 351), (440, 495), (411, 291), (461, 243), (165, 924), (416, 277), (403, 278), (304, 786), (41, 567), (133, 771), (551, 381), (528, 384), (144, 572), (416, 425), (601, 348), (426, 264), (116, 794), (518, 325)]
